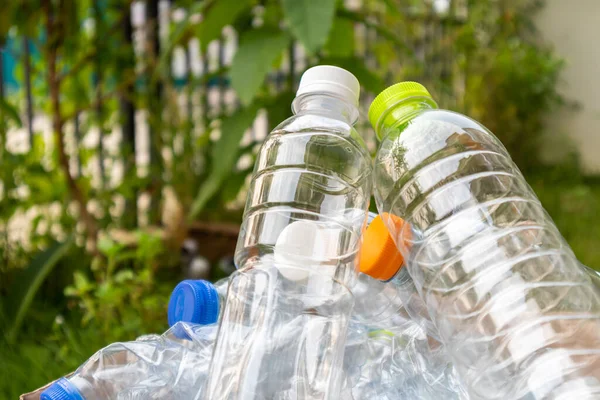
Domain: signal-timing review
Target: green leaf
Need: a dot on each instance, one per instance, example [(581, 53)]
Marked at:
[(109, 247), (28, 282), (233, 185), (310, 21), (232, 130), (257, 52), (219, 15), (124, 275), (70, 291), (224, 154), (82, 284), (341, 39), (10, 112), (391, 8), (126, 255), (367, 78), (273, 14), (279, 109)]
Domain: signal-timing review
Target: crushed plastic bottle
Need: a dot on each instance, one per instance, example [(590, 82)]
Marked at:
[(399, 364), (594, 275), (405, 359), (171, 366), (288, 306), (376, 301), (518, 316)]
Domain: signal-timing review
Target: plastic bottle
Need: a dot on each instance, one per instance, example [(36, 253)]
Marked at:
[(519, 317), (171, 366), (405, 356), (197, 301), (594, 275), (288, 306), (376, 302), (405, 365), (363, 355), (386, 304)]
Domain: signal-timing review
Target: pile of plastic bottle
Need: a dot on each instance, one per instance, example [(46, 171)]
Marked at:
[(461, 288)]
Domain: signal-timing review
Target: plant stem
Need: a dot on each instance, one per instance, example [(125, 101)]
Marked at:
[(380, 29), (127, 110), (155, 111), (2, 126), (29, 99), (54, 33), (99, 70)]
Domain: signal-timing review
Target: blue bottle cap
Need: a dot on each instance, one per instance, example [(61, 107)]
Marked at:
[(62, 389), (195, 301)]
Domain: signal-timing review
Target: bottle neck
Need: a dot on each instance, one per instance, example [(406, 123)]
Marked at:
[(402, 112), (327, 105)]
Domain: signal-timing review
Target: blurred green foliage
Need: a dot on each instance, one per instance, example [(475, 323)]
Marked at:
[(483, 58), (573, 201)]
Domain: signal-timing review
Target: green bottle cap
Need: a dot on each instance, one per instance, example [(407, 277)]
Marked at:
[(392, 96)]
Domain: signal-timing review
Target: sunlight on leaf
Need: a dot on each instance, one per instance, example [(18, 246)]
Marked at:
[(310, 21), (224, 155), (10, 112), (219, 15), (258, 50), (341, 39)]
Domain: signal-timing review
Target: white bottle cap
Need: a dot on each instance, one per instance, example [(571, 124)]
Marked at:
[(330, 79), (304, 246)]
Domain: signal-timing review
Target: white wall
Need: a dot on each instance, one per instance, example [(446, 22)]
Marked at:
[(573, 28)]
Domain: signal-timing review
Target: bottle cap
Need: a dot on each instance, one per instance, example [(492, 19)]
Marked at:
[(306, 242), (392, 96), (62, 389), (195, 301), (330, 79), (379, 256), (370, 217)]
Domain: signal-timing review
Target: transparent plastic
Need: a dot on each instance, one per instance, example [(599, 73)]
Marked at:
[(171, 366), (284, 324), (402, 355), (380, 304), (221, 287), (398, 363), (313, 167), (518, 315), (594, 275)]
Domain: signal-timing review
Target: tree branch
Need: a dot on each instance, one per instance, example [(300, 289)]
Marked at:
[(127, 111), (121, 90), (93, 53), (79, 64), (380, 29), (53, 44)]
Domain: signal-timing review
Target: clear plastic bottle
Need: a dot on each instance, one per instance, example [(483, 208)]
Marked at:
[(389, 302), (171, 366), (405, 364), (519, 317), (594, 275), (376, 302), (405, 357), (288, 306), (197, 301)]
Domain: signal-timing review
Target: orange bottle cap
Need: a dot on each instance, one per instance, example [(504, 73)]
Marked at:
[(379, 256)]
